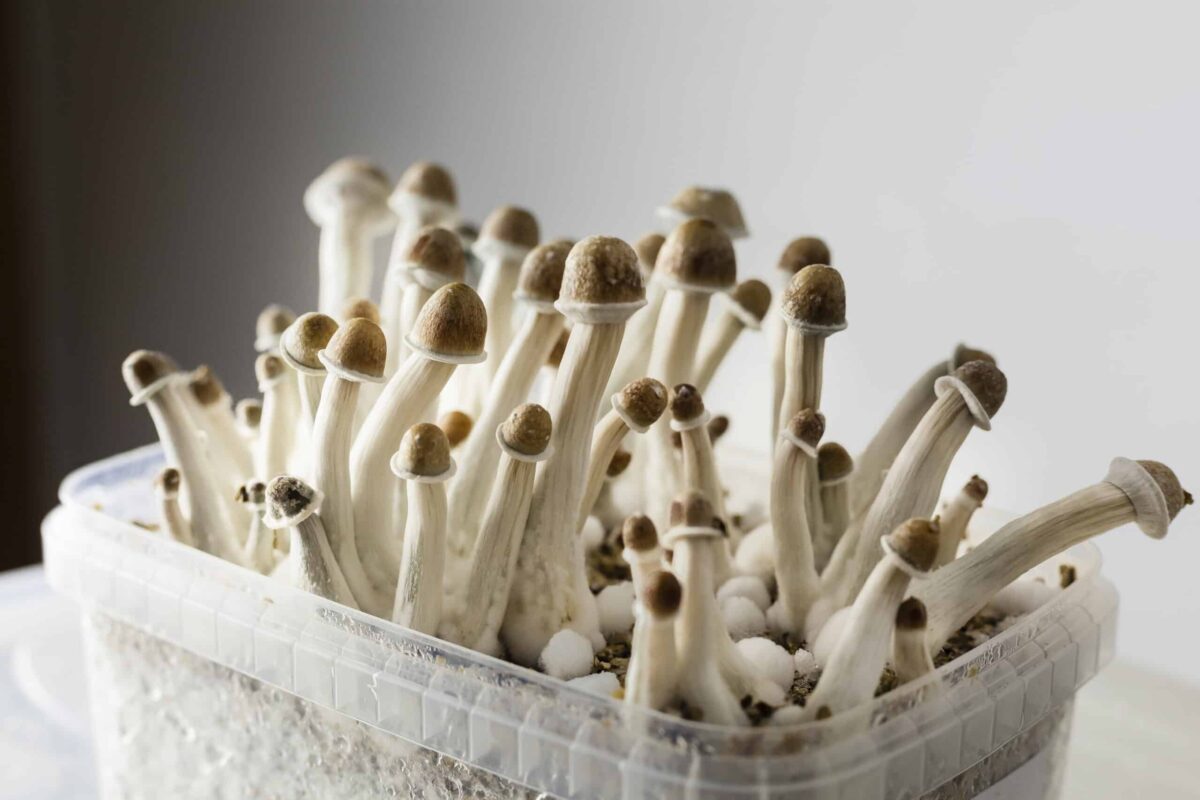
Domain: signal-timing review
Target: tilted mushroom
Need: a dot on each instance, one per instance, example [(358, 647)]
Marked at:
[(639, 539), (292, 505), (740, 310), (651, 676), (955, 516), (606, 510), (795, 564), (434, 259), (701, 202), (910, 649), (834, 468), (800, 253), (166, 487), (215, 417), (457, 426), (269, 327), (301, 342)]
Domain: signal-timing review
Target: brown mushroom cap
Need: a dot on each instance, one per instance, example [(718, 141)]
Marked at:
[(618, 463), (168, 481), (358, 346), (808, 426), (647, 249), (643, 401), (429, 180), (718, 426), (663, 593), (911, 615), (143, 367), (527, 429), (268, 367), (691, 508), (976, 488), (511, 225), (457, 426), (753, 296), (440, 251), (698, 253), (424, 451), (452, 323), (833, 462), (273, 321), (803, 252), (638, 533), (353, 182), (252, 493), (602, 270), (307, 336), (719, 205), (288, 496), (816, 295), (686, 402), (361, 308), (985, 380), (205, 386), (964, 353), (249, 412), (1176, 496), (542, 271), (916, 543)]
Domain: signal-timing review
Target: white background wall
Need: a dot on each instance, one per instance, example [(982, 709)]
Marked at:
[(1021, 176)]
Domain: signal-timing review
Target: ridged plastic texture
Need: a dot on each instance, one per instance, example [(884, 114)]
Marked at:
[(977, 716)]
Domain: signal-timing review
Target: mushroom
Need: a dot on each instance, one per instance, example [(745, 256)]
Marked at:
[(690, 419), (449, 331), (154, 380), (700, 202), (967, 398), (881, 451), (852, 671), (348, 202), (248, 413), (741, 309), (601, 288), (166, 487), (269, 327), (434, 259), (355, 356), (1145, 492), (639, 331), (214, 415), (910, 651), (795, 565), (537, 289), (606, 510), (640, 550), (834, 468), (280, 408), (651, 675), (361, 308), (259, 551), (696, 261), (475, 618), (800, 253), (955, 516), (292, 505), (457, 426), (424, 461), (301, 342)]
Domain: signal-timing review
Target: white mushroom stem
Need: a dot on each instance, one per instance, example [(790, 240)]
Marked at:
[(313, 566), (344, 260), (954, 518), (174, 522), (606, 441), (277, 432), (835, 509), (957, 591), (910, 649), (260, 543), (650, 680), (419, 589), (642, 564), (700, 463), (719, 339), (497, 283), (225, 444), (795, 567), (480, 454), (310, 384), (634, 357)]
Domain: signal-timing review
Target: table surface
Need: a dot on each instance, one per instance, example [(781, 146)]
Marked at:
[(1134, 729)]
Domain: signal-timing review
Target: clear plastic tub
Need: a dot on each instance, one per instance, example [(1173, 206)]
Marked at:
[(209, 681)]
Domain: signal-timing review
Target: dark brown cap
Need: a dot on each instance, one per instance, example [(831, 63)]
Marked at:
[(424, 451), (719, 205), (527, 429), (647, 249), (272, 322), (638, 533), (686, 402), (807, 426), (1176, 496), (753, 296), (618, 463), (643, 401), (249, 412), (288, 498), (833, 462), (816, 296), (976, 489), (803, 252), (511, 225), (915, 542), (358, 346), (457, 426), (252, 493), (307, 336), (452, 323), (439, 251), (718, 426), (268, 367), (963, 354), (602, 270), (143, 367), (168, 481), (691, 508), (205, 386), (911, 616), (542, 271), (663, 593), (984, 380), (429, 180), (361, 308), (698, 253)]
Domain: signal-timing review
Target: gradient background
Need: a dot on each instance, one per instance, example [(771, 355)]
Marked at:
[(1022, 176)]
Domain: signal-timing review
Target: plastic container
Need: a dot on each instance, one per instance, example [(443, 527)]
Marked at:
[(209, 681)]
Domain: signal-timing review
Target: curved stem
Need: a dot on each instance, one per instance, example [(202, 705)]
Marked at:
[(714, 347), (313, 565)]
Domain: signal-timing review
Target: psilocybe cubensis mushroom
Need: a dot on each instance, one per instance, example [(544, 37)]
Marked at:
[(606, 522)]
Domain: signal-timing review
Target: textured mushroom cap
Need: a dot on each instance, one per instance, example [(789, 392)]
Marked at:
[(816, 295), (686, 402), (647, 249), (511, 225), (619, 463), (359, 346), (527, 429), (698, 253), (347, 182), (986, 382), (143, 367), (268, 366), (976, 488), (168, 481), (453, 322), (964, 353), (663, 593), (803, 252), (424, 450), (911, 615), (288, 496), (428, 180), (602, 269), (1177, 497), (719, 205), (273, 321), (638, 533), (754, 296), (439, 250), (457, 426), (643, 401), (249, 412), (833, 462), (361, 308), (307, 336), (916, 542), (808, 426), (691, 508), (542, 271), (205, 386), (252, 493)]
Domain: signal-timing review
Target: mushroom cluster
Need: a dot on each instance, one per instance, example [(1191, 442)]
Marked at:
[(459, 460)]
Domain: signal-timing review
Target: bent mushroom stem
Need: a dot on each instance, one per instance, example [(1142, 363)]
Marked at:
[(292, 506), (215, 410), (910, 651), (690, 419), (166, 486), (795, 567), (639, 332), (651, 677), (955, 517), (834, 468), (740, 310), (1145, 492)]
